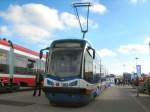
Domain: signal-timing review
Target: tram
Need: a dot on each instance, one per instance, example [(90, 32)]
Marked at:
[(24, 65), (72, 72)]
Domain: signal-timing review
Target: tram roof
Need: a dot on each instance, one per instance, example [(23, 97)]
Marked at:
[(20, 48), (70, 40)]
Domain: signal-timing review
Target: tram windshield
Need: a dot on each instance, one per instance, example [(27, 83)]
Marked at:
[(65, 62)]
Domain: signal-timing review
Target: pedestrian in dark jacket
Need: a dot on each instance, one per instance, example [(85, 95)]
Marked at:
[(38, 85), (115, 81)]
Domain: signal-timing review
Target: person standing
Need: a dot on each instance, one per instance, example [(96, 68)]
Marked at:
[(115, 81), (137, 85), (38, 85)]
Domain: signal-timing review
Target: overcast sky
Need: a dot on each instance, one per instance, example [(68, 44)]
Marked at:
[(118, 29)]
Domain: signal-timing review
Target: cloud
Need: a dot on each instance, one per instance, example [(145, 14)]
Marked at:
[(87, 1), (122, 66), (133, 48), (33, 23), (69, 19), (125, 65), (106, 53), (3, 29), (147, 40), (36, 14), (32, 33), (98, 8), (137, 1), (127, 57), (37, 23)]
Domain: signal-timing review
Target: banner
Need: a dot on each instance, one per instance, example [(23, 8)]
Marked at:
[(138, 70)]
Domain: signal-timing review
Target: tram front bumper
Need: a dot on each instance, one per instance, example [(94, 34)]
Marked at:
[(65, 90), (67, 95)]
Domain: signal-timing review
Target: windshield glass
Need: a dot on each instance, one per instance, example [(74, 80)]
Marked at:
[(65, 62)]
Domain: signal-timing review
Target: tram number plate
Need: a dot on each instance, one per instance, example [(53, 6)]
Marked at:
[(65, 84)]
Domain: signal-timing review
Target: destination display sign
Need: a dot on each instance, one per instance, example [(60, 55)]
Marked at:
[(68, 45)]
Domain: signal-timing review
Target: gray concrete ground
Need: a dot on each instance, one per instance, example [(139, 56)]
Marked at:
[(114, 99)]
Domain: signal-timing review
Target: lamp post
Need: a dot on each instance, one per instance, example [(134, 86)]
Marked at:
[(136, 58), (149, 48), (124, 66), (137, 78)]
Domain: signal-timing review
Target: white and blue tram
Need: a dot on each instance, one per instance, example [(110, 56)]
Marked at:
[(72, 72)]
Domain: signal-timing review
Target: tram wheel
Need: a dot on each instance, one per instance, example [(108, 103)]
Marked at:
[(52, 103)]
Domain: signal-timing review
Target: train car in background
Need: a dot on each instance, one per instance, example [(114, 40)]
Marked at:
[(72, 74), (26, 64)]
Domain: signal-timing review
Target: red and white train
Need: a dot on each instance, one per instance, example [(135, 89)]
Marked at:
[(26, 64)]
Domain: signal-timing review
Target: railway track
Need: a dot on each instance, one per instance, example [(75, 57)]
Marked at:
[(8, 90)]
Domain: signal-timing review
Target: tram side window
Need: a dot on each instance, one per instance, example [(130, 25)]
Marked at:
[(20, 65), (96, 71), (88, 67), (31, 64), (23, 65), (3, 63)]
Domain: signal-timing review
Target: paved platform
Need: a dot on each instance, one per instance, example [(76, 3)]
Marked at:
[(114, 99)]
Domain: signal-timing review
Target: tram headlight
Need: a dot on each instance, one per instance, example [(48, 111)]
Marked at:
[(73, 83), (50, 82)]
